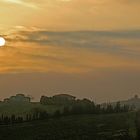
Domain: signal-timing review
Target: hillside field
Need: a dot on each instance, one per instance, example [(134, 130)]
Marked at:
[(77, 127)]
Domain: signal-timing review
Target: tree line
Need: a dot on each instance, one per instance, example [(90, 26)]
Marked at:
[(78, 107)]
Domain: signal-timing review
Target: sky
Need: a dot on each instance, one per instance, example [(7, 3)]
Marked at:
[(87, 48)]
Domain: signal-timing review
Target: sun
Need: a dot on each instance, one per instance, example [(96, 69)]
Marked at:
[(2, 41)]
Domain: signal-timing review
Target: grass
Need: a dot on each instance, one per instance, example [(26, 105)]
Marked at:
[(76, 127)]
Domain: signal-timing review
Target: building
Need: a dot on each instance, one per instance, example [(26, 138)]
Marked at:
[(64, 97), (20, 98)]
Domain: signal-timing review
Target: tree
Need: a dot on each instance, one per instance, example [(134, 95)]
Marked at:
[(66, 110), (137, 122), (43, 115), (117, 108), (13, 118), (109, 109), (57, 113)]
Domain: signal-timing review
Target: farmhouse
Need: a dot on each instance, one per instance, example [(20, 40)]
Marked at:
[(18, 98), (64, 97)]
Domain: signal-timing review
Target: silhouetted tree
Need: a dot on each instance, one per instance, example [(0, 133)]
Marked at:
[(57, 113), (109, 109), (137, 122), (117, 108), (43, 115), (13, 119), (66, 110)]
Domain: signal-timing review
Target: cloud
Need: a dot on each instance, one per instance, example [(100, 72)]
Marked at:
[(117, 42), (68, 15), (21, 2), (38, 50), (128, 1)]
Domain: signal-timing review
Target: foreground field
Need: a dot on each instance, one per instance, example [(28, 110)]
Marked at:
[(77, 127)]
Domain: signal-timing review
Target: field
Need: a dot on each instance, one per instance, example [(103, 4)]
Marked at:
[(77, 127)]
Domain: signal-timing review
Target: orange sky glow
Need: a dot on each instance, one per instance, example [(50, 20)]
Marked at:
[(72, 37)]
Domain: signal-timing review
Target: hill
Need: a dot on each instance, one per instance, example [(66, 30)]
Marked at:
[(133, 102), (78, 127)]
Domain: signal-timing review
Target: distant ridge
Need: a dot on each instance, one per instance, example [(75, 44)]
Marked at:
[(133, 102)]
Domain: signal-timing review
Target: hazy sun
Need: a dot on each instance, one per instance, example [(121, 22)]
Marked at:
[(2, 41)]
